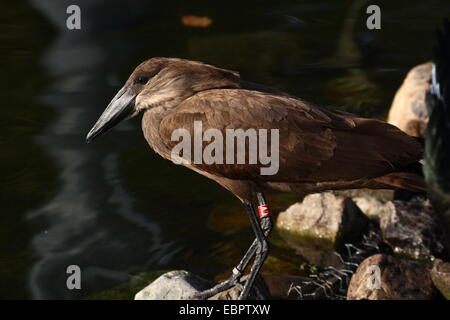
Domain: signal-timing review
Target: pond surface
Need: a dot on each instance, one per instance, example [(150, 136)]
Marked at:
[(115, 208)]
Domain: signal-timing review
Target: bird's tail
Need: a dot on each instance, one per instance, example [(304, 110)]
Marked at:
[(403, 180), (409, 177)]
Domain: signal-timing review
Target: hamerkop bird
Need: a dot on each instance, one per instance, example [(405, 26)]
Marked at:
[(319, 149)]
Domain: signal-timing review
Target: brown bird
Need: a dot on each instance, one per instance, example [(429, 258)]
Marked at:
[(319, 149)]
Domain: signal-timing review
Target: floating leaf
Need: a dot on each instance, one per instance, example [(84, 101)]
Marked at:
[(196, 21)]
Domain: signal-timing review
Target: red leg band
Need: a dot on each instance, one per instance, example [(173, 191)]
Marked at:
[(263, 210)]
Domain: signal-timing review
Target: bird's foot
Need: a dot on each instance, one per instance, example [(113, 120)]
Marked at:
[(220, 287)]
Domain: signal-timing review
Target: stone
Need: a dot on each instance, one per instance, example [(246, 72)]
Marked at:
[(180, 285), (397, 279), (410, 228), (377, 194), (318, 224), (408, 110), (373, 208), (440, 274), (230, 294), (173, 285)]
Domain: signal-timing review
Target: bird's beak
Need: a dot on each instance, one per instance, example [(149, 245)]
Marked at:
[(120, 107)]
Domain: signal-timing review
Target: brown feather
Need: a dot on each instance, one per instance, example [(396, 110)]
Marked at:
[(320, 149)]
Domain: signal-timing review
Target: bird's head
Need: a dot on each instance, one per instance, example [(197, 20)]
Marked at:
[(161, 82)]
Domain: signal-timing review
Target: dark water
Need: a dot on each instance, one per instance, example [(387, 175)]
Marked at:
[(115, 208)]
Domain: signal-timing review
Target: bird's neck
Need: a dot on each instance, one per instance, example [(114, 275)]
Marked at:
[(151, 120)]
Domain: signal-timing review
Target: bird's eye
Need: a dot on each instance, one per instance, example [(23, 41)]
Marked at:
[(141, 80)]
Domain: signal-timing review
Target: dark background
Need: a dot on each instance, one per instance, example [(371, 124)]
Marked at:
[(114, 207)]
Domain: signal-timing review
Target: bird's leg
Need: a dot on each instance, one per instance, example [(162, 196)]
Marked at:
[(266, 225), (262, 231), (231, 281), (262, 244)]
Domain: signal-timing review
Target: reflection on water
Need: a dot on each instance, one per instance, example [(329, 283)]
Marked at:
[(114, 208), (91, 220)]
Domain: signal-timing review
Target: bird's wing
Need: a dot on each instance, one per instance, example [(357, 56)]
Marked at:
[(315, 144)]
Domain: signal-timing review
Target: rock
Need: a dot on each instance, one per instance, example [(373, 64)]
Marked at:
[(315, 226), (173, 285), (180, 285), (377, 194), (397, 279), (371, 207), (230, 294), (408, 110), (440, 274), (410, 228)]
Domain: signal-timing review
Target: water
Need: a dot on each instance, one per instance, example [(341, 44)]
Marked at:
[(114, 207)]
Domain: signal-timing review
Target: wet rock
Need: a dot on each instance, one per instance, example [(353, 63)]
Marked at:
[(440, 274), (315, 226), (384, 277), (173, 285), (410, 228), (408, 110)]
